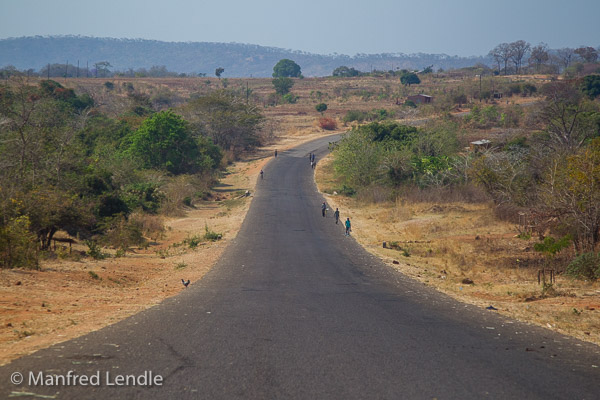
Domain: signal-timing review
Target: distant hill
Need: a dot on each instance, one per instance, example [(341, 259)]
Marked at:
[(239, 60)]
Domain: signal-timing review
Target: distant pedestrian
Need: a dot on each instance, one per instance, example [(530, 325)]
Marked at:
[(312, 164), (261, 174), (324, 209), (312, 157), (336, 214), (348, 227), (275, 153)]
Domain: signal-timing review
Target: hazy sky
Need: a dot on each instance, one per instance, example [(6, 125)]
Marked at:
[(455, 27)]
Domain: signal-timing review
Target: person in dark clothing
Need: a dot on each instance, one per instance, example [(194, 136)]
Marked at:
[(275, 152), (261, 174), (336, 214), (324, 209)]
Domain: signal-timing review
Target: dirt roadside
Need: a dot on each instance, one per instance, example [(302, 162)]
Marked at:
[(67, 299)]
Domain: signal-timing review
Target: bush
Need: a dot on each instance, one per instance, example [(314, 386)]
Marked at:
[(211, 235), (18, 245), (329, 124), (355, 115), (321, 107), (585, 266), (289, 98), (94, 250)]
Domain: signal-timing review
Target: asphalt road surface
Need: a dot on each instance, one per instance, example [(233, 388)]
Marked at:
[(296, 310)]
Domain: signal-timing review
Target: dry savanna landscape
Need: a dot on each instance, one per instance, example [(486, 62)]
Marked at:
[(465, 222)]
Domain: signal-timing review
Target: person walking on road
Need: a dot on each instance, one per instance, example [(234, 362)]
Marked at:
[(275, 153), (261, 174), (324, 209), (336, 214), (348, 227)]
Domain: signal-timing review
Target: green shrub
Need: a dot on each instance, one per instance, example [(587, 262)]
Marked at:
[(94, 275), (290, 98), (585, 266), (211, 235), (94, 250), (193, 241), (18, 245), (355, 115)]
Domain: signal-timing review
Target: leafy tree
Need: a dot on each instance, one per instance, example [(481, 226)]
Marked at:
[(286, 68), (163, 141), (409, 78), (282, 85), (219, 71), (346, 72), (321, 107), (103, 68), (591, 86), (358, 159)]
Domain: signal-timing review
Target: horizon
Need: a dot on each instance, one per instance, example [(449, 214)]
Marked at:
[(324, 27)]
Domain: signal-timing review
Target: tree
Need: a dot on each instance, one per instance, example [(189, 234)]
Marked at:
[(502, 53), (565, 55), (539, 55), (588, 54), (409, 78), (286, 68), (103, 67), (591, 86), (518, 50), (219, 71), (346, 72), (572, 193), (227, 119), (321, 107), (163, 141), (570, 120), (282, 85), (358, 159)]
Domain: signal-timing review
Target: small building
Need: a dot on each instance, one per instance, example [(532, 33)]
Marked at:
[(482, 144), (420, 99)]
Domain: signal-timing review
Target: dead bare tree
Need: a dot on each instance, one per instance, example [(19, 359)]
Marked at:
[(502, 53), (518, 50)]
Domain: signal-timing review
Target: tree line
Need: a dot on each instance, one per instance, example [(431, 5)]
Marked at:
[(509, 57)]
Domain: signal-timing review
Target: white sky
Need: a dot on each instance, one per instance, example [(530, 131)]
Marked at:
[(455, 27)]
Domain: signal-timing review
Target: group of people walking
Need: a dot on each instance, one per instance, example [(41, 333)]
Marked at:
[(336, 215)]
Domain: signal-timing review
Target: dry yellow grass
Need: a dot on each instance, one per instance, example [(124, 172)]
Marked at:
[(444, 244)]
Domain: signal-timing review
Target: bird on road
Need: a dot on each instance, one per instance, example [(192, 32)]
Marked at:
[(185, 283)]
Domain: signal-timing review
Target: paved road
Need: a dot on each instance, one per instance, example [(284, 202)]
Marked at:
[(295, 310)]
